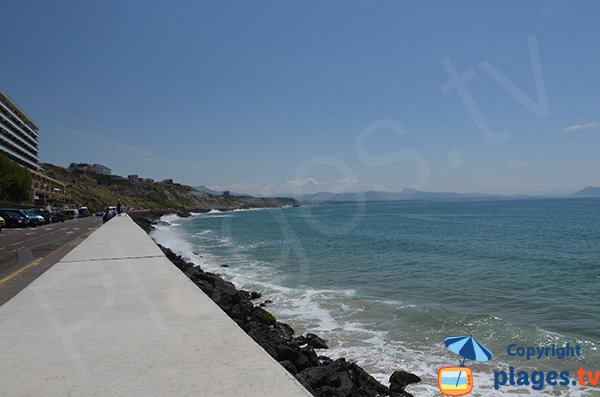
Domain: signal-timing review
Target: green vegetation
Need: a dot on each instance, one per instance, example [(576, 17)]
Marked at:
[(99, 191), (15, 181)]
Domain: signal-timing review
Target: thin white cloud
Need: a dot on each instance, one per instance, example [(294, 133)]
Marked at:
[(578, 127), (303, 182)]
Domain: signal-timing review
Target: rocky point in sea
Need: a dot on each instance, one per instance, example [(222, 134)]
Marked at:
[(320, 375)]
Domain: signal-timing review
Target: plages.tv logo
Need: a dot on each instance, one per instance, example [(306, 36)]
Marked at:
[(458, 380)]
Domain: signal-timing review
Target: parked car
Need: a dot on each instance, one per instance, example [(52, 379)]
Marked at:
[(100, 213), (14, 220), (33, 219), (71, 213), (58, 216), (84, 212), (2, 223), (44, 214), (38, 219)]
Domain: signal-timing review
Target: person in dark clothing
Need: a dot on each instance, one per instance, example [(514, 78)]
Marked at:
[(119, 208), (107, 215)]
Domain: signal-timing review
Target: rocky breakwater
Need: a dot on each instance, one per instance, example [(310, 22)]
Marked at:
[(299, 355)]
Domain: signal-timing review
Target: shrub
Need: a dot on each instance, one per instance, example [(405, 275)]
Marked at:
[(15, 181)]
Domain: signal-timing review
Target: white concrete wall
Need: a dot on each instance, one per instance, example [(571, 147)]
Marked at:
[(116, 318)]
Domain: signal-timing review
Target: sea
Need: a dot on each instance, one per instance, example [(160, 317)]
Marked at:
[(385, 283)]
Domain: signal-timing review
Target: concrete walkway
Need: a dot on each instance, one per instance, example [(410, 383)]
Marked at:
[(115, 318)]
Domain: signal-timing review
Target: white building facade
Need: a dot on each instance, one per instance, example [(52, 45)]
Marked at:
[(18, 134)]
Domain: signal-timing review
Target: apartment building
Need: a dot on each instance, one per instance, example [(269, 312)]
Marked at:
[(18, 134)]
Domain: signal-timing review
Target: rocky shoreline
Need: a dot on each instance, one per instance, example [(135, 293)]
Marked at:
[(299, 355)]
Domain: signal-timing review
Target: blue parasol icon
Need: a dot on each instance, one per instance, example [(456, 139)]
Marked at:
[(469, 348)]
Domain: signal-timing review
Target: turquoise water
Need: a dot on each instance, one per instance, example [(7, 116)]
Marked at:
[(386, 282)]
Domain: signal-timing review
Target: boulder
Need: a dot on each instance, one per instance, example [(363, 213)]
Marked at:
[(316, 342), (398, 382), (318, 377), (299, 360), (403, 378), (289, 366), (264, 316)]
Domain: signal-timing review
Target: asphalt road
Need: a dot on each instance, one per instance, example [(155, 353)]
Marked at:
[(28, 252)]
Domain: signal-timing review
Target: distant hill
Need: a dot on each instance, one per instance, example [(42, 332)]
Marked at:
[(590, 192), (404, 194), (206, 189), (99, 191)]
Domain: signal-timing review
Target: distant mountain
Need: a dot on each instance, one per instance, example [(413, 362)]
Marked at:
[(206, 189), (589, 192), (404, 194)]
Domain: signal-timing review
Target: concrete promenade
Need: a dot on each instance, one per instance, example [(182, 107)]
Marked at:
[(114, 317)]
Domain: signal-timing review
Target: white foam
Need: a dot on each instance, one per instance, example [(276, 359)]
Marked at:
[(169, 218), (202, 232)]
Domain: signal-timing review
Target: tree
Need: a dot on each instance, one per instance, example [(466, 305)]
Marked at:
[(15, 181)]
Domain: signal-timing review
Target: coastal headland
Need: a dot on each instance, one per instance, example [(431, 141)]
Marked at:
[(98, 191), (300, 355)]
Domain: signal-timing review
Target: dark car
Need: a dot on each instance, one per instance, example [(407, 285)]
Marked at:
[(58, 216), (84, 212), (14, 220), (34, 217), (44, 214)]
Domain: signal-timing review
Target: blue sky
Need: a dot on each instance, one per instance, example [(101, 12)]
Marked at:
[(280, 96)]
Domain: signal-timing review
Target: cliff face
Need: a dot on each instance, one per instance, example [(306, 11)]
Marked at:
[(99, 191)]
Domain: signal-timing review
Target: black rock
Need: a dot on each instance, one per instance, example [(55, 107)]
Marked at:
[(299, 360), (324, 360), (284, 331), (403, 378), (255, 295), (224, 265), (316, 342), (266, 302), (318, 377), (399, 393), (310, 355), (264, 316), (289, 366), (399, 380)]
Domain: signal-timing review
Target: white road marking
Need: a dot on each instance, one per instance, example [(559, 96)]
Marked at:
[(71, 232), (17, 243), (29, 234)]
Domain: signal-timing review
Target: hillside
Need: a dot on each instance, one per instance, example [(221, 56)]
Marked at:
[(99, 191), (588, 192)]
